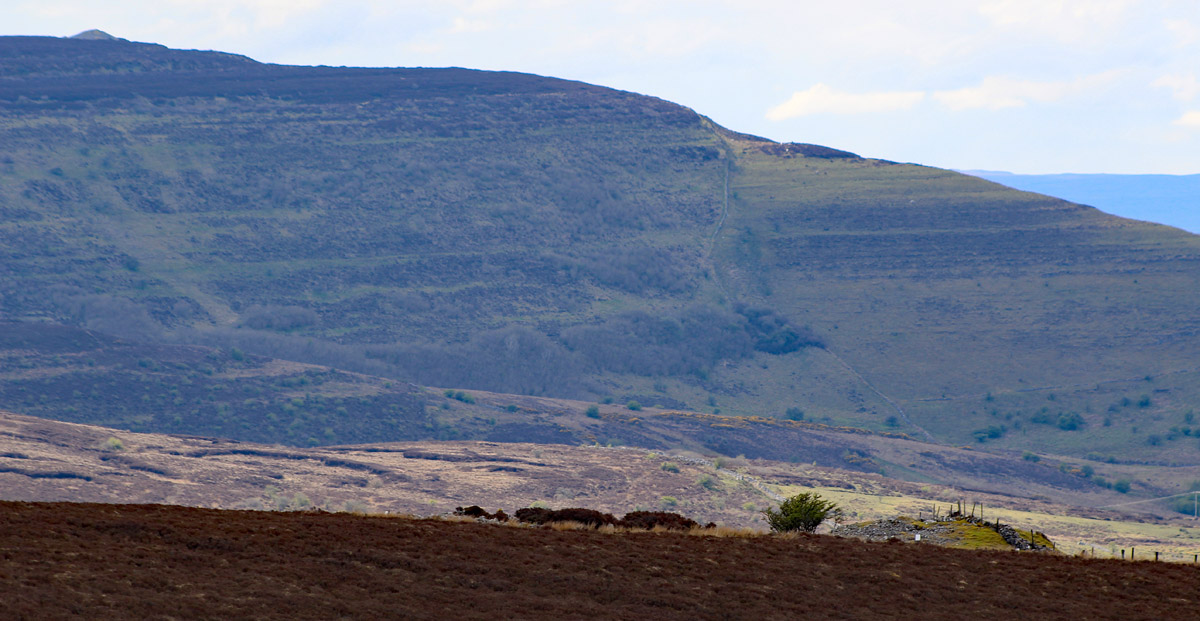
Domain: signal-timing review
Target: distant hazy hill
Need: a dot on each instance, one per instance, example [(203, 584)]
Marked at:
[(515, 233), (1167, 199)]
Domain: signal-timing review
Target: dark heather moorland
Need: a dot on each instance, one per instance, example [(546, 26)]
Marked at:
[(137, 561), (198, 243)]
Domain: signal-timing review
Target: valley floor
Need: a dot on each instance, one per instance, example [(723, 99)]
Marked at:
[(152, 561)]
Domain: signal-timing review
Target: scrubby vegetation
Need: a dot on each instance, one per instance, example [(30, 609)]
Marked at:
[(803, 512), (542, 516)]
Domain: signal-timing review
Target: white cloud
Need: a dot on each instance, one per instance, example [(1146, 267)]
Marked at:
[(822, 99), (260, 14), (1183, 87), (1184, 31), (1067, 20), (999, 92), (1190, 119), (462, 25)]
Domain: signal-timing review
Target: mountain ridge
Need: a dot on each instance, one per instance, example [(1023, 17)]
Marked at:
[(1165, 199), (520, 234)]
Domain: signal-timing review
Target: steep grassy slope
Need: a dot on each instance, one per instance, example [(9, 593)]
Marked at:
[(467, 209), (1165, 199), (970, 305), (520, 234), (382, 207)]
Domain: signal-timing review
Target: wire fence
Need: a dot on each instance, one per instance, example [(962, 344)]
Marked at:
[(1173, 506)]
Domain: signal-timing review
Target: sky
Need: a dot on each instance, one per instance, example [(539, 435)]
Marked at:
[(1026, 86)]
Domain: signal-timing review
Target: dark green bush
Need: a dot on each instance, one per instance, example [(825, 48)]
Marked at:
[(990, 433), (1070, 421), (774, 333), (803, 512)]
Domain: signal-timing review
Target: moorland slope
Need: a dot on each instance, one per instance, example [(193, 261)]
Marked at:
[(43, 460), (520, 234), (106, 561)]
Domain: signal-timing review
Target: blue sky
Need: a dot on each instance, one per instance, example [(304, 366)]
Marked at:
[(1028, 86)]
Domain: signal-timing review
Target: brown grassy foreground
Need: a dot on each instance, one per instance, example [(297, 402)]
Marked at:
[(148, 561)]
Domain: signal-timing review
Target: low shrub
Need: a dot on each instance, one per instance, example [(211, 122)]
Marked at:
[(587, 517), (658, 519), (478, 512), (542, 516), (803, 512)]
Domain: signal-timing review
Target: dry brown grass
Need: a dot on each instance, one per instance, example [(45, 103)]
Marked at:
[(727, 531)]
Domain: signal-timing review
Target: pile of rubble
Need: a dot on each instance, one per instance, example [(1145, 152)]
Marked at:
[(938, 531), (893, 528)]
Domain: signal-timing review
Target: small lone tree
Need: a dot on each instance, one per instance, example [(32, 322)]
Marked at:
[(803, 512)]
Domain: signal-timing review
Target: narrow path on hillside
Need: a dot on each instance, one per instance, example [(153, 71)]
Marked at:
[(712, 241), (721, 285), (734, 474), (895, 406), (724, 212)]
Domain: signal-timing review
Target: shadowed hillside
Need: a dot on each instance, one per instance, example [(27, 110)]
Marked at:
[(519, 234)]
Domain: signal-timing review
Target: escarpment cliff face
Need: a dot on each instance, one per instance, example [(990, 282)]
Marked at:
[(521, 234)]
